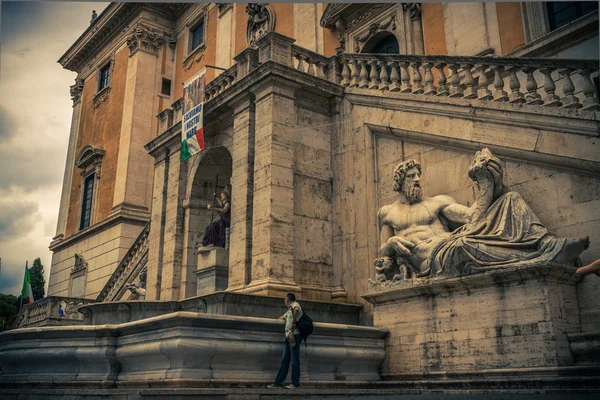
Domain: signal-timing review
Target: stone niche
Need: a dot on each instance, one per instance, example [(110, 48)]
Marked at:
[(513, 319)]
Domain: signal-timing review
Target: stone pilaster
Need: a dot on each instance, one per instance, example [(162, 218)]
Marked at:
[(138, 126), (242, 185), (157, 226), (76, 92), (273, 206)]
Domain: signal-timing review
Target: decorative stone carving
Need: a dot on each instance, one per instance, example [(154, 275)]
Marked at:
[(137, 290), (413, 9), (80, 264), (498, 231), (374, 28), (94, 16), (261, 20), (224, 7), (101, 97), (76, 91), (144, 38)]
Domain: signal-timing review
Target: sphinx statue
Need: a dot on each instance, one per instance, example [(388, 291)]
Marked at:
[(498, 231)]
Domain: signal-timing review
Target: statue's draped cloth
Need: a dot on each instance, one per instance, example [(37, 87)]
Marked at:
[(508, 233)]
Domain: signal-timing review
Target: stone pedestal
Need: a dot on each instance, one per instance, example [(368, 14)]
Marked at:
[(213, 270), (508, 320)]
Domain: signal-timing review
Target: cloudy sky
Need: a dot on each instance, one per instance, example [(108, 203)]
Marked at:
[(35, 118)]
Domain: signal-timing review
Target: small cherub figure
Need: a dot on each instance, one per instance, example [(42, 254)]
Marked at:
[(389, 269)]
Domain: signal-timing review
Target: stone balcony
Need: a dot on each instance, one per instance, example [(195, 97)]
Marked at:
[(44, 312)]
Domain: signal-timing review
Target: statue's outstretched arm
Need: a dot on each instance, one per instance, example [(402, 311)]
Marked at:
[(458, 213)]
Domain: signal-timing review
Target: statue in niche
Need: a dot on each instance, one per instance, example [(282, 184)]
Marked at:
[(214, 234), (498, 231), (261, 20)]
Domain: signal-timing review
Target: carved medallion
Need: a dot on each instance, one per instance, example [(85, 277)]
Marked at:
[(261, 20)]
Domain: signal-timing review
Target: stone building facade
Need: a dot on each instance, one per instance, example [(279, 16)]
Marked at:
[(308, 108), (145, 50)]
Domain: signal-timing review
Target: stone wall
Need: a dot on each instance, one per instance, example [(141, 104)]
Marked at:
[(102, 250), (550, 157)]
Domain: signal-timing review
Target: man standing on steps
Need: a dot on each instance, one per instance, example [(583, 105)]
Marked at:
[(292, 344)]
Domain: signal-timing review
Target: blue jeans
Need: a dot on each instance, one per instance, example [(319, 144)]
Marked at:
[(293, 354)]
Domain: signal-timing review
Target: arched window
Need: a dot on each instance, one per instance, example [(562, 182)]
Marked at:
[(382, 43)]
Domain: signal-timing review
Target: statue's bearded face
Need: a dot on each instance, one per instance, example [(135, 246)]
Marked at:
[(411, 186)]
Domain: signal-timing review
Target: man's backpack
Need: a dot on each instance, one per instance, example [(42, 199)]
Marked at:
[(305, 326)]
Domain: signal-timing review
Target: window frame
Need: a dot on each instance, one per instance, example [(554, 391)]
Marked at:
[(201, 21), (82, 214), (552, 25), (105, 68)]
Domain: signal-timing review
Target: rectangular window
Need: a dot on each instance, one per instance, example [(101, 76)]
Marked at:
[(86, 205), (104, 77), (197, 35), (166, 87), (561, 13)]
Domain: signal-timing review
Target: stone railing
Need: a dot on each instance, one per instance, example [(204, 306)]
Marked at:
[(137, 253), (310, 62), (531, 81), (220, 83), (45, 312)]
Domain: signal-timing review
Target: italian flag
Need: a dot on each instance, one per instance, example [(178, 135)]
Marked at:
[(192, 140), (27, 293)]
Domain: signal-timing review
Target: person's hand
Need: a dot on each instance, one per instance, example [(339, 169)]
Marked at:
[(400, 244)]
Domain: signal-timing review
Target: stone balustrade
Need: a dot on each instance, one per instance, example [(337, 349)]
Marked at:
[(310, 62), (45, 312), (530, 81), (128, 268), (220, 83)]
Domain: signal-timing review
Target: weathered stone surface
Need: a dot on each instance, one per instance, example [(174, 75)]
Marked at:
[(514, 318), (185, 345)]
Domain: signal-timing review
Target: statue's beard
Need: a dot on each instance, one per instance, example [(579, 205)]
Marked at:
[(413, 194)]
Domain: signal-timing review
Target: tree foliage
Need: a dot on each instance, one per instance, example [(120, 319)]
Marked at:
[(38, 282), (9, 308)]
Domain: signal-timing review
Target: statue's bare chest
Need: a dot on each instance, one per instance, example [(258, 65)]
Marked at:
[(403, 216)]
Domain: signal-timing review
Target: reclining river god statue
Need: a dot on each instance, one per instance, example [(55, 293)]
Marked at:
[(499, 230)]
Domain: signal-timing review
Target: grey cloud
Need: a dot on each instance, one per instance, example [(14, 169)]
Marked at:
[(30, 167), (8, 126), (16, 219)]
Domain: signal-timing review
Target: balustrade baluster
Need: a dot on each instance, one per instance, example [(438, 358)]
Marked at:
[(417, 85), (364, 76), (320, 69), (300, 62), (470, 86), (570, 100), (345, 73), (442, 89), (550, 99), (355, 73), (532, 97), (515, 86), (499, 93), (455, 89), (395, 77), (404, 75), (589, 90), (430, 89), (311, 66), (373, 75), (483, 93), (383, 76)]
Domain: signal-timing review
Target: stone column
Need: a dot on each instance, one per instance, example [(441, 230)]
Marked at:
[(242, 186), (134, 168), (417, 28), (76, 93), (273, 204)]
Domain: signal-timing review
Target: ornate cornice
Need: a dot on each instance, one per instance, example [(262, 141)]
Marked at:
[(374, 28), (145, 39), (111, 23)]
